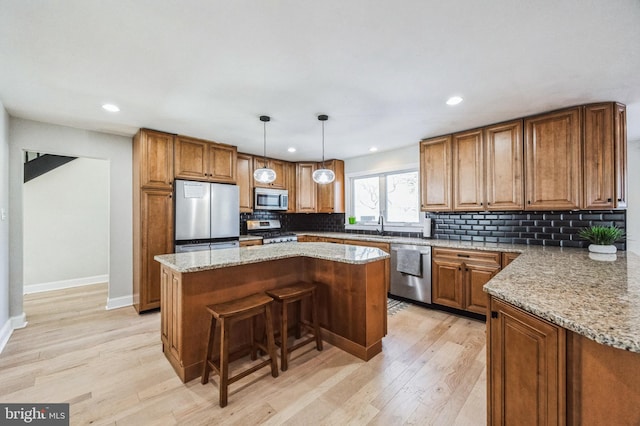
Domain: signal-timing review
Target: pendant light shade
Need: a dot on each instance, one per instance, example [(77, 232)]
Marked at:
[(265, 174), (323, 175)]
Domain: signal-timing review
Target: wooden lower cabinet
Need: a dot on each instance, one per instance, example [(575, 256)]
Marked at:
[(508, 257), (247, 243), (153, 235), (457, 278), (526, 368)]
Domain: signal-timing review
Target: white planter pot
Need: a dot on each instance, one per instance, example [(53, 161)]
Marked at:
[(595, 248)]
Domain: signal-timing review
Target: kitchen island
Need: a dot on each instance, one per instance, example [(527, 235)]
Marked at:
[(351, 293)]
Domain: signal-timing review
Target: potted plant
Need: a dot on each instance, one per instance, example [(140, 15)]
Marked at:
[(602, 238)]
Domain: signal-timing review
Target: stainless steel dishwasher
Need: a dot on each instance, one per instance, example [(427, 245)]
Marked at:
[(411, 286)]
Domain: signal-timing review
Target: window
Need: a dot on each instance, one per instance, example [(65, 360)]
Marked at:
[(394, 195)]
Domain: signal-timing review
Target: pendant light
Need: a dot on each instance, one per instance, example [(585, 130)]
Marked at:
[(323, 176), (265, 174)]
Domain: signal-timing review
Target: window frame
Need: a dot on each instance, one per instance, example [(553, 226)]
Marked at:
[(382, 176)]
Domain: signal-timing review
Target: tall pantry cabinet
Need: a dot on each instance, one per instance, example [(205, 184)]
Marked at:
[(152, 213)]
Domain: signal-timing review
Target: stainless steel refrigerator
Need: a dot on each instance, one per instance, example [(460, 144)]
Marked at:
[(207, 216)]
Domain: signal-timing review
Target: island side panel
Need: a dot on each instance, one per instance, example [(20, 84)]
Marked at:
[(352, 299)]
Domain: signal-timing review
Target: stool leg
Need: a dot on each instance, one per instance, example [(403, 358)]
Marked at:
[(284, 364), (271, 344), (252, 339), (224, 361), (298, 316), (206, 368), (314, 319)]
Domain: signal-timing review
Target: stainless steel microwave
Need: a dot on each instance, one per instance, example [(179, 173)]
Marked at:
[(271, 199)]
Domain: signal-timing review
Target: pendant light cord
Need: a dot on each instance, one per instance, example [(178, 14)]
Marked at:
[(323, 144), (264, 157)]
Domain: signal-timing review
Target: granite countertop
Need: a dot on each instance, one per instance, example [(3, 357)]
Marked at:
[(213, 259), (596, 299)]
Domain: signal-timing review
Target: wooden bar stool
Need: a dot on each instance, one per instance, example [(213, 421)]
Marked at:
[(228, 313), (286, 296)]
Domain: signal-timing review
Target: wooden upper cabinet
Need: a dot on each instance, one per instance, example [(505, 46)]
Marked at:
[(198, 159), (153, 159), (599, 185), (435, 174), (305, 188), (245, 182), (278, 166), (620, 155), (553, 161), (468, 171), (504, 166), (331, 196), (527, 368), (291, 186)]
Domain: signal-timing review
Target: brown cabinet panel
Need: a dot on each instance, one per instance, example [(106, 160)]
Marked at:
[(222, 163), (156, 237), (247, 243), (476, 276), (435, 174), (330, 197), (278, 166), (244, 165), (504, 166), (620, 155), (468, 171), (291, 186), (526, 370), (599, 186), (202, 160), (153, 159), (306, 188), (191, 158), (553, 161), (507, 258), (446, 283)]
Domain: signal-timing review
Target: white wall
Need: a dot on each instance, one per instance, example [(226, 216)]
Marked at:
[(633, 210), (5, 323), (66, 226), (27, 135), (383, 161)]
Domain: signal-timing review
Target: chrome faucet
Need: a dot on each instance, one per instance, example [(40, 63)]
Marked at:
[(381, 223)]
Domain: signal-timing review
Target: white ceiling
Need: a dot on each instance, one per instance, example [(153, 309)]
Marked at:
[(381, 70)]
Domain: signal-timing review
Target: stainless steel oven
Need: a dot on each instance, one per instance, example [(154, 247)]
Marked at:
[(271, 199)]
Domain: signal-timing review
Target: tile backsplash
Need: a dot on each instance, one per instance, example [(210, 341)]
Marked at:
[(550, 228)]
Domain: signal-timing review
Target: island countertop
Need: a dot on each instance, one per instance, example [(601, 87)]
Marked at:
[(213, 259)]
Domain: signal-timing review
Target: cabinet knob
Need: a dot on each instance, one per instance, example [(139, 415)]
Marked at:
[(494, 314), (619, 199), (529, 202), (459, 268), (609, 200)]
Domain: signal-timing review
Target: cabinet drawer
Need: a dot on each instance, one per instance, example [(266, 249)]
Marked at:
[(475, 256)]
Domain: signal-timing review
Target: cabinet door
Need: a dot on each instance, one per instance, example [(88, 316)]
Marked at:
[(435, 174), (446, 283), (153, 157), (305, 188), (526, 370), (599, 185), (191, 158), (245, 182), (553, 162), (277, 166), (620, 149), (468, 171), (476, 276), (331, 195), (291, 186), (222, 163), (156, 238), (507, 258), (504, 165)]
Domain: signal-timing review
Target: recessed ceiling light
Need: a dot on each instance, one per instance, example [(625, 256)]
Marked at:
[(291, 149), (110, 107), (454, 100), (373, 149)]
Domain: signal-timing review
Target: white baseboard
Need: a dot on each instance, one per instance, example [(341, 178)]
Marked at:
[(119, 302), (59, 285), (11, 324)]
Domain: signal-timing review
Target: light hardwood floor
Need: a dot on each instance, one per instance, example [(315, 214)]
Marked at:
[(109, 366)]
